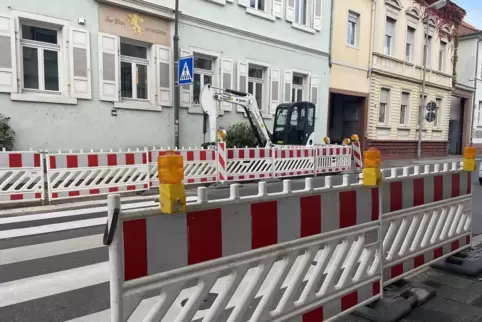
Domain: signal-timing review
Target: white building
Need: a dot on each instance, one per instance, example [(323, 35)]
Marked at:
[(99, 74)]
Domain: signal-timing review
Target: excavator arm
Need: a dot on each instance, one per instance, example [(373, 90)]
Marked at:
[(209, 100)]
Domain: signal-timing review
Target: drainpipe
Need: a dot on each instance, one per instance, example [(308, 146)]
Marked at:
[(331, 33), (474, 105), (373, 29)]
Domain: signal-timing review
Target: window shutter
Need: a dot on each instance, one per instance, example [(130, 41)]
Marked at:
[(314, 92), (8, 66), (80, 73), (278, 8), (275, 89), (290, 10), (186, 91), (288, 79), (244, 3), (108, 67), (317, 14), (227, 80), (242, 80), (164, 75)]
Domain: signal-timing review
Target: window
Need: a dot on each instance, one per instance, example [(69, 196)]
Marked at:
[(300, 11), (384, 101), (389, 35), (438, 101), (256, 76), (409, 44), (297, 89), (480, 111), (203, 75), (441, 56), (40, 58), (257, 4), (427, 50), (133, 71), (404, 108), (352, 29)]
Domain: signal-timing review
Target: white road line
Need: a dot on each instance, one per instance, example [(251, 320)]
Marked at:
[(65, 246), (36, 230), (50, 284), (78, 212)]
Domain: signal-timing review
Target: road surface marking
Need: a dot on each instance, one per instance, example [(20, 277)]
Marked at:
[(45, 229), (32, 288), (65, 246)]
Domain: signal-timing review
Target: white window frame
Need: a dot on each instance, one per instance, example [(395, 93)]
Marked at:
[(479, 114), (134, 61), (216, 58), (306, 83), (267, 13), (353, 17), (297, 87), (427, 48), (412, 46), (266, 85), (436, 122), (202, 73), (387, 106), (391, 48), (63, 95), (442, 54), (406, 117)]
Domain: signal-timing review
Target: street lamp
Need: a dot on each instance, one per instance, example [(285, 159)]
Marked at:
[(436, 5)]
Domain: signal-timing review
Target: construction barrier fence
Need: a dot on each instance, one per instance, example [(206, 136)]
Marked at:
[(300, 255)]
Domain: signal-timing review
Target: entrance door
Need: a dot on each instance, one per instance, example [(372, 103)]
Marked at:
[(456, 126), (351, 114)]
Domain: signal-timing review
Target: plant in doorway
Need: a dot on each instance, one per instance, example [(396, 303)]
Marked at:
[(240, 135), (7, 134)]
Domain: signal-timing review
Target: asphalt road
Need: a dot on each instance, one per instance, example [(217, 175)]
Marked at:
[(54, 266)]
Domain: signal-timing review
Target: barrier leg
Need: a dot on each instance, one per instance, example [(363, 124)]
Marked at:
[(115, 258)]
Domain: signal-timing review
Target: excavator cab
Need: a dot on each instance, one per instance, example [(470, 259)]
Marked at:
[(293, 123)]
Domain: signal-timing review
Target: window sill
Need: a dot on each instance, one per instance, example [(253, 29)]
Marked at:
[(384, 126), (352, 46), (139, 106), (403, 128), (437, 130), (260, 14), (220, 2), (303, 28), (43, 98)]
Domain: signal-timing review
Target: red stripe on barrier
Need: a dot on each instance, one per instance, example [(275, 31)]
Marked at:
[(252, 154), (315, 315), (418, 192), (16, 197), (418, 261), (438, 188), (131, 187), (347, 209), (15, 160), (92, 160), (310, 213), (438, 252), (350, 300), (397, 270), (375, 204), (74, 193), (469, 183), (55, 195), (376, 288), (135, 249), (53, 162), (111, 159), (262, 153), (395, 196), (72, 161), (36, 160), (455, 245), (113, 189), (204, 236), (455, 185), (94, 191), (230, 154), (130, 159), (202, 155), (38, 195), (189, 155), (264, 224), (144, 157), (467, 240), (241, 154)]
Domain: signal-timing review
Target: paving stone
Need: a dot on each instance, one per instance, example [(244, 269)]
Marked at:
[(452, 280), (456, 294)]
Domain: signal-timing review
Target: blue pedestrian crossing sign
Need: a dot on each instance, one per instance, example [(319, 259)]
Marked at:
[(185, 71)]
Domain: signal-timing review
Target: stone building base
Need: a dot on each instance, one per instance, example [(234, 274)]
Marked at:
[(391, 150)]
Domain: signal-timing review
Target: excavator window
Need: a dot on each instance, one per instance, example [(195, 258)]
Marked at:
[(294, 122)]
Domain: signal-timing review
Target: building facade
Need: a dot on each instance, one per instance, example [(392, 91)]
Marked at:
[(349, 82), (469, 76), (99, 74), (396, 81)]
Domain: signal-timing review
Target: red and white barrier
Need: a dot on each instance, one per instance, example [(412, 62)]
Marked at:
[(73, 175), (357, 155), (333, 159), (21, 177), (199, 165), (249, 164), (333, 226)]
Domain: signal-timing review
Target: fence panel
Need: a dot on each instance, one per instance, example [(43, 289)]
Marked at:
[(200, 165), (426, 217), (21, 177), (294, 162), (249, 164), (74, 175), (333, 159), (298, 255)]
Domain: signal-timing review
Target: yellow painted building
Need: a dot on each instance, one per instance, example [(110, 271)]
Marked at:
[(396, 81)]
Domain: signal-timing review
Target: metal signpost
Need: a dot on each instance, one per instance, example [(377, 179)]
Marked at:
[(185, 76)]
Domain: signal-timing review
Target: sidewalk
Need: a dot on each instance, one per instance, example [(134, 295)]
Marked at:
[(407, 162)]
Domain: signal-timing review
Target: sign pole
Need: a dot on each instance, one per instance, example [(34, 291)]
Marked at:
[(177, 88)]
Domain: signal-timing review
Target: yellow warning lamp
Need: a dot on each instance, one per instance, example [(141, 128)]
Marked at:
[(222, 134), (326, 140), (469, 158), (371, 172), (172, 194), (355, 138), (346, 141)]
